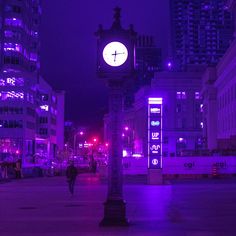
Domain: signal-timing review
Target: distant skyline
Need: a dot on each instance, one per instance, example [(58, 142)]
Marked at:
[(68, 47)]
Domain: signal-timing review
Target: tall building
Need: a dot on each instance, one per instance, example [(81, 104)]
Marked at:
[(148, 61), (201, 31), (22, 91), (219, 97), (19, 65)]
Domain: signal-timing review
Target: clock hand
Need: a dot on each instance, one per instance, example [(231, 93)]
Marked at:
[(115, 54)]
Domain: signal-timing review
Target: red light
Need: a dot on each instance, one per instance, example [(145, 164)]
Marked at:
[(95, 140), (17, 152)]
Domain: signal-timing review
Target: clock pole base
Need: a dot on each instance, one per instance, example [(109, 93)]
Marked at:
[(114, 214)]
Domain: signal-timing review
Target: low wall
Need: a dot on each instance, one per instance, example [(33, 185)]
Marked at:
[(184, 165)]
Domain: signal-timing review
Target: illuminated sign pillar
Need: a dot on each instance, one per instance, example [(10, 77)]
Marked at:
[(155, 140)]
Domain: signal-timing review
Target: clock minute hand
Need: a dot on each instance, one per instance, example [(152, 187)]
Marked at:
[(115, 54)]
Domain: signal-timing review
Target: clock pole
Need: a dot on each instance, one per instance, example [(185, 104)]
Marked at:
[(115, 77)]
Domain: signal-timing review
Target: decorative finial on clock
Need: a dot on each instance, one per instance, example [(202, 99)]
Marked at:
[(116, 24)]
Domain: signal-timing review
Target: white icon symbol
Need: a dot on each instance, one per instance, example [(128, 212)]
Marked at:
[(155, 123), (155, 110), (154, 162), (155, 135), (155, 148)]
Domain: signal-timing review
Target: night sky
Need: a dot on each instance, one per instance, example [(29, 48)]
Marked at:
[(68, 47)]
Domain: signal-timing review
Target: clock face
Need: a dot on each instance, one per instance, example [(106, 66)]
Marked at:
[(115, 54)]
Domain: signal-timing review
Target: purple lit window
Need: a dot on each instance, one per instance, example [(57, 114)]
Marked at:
[(181, 95), (44, 107), (11, 95), (2, 82), (197, 95), (201, 108), (13, 21), (33, 57), (201, 125), (8, 33), (12, 47)]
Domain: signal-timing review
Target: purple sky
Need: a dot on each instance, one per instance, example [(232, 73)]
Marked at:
[(68, 47)]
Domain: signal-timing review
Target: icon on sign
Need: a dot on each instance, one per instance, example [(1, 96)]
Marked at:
[(154, 162), (155, 110), (155, 123), (155, 148), (155, 135)]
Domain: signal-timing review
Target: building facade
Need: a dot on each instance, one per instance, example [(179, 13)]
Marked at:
[(182, 115), (201, 32), (219, 95), (21, 87)]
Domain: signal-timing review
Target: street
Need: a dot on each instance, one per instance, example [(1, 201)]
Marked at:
[(44, 207)]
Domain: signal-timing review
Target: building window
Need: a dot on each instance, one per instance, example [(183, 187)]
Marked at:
[(11, 110), (43, 131), (44, 107), (13, 22), (44, 97), (165, 140), (201, 107), (197, 95), (11, 124), (178, 108), (43, 120), (30, 111), (11, 81), (11, 95), (181, 95)]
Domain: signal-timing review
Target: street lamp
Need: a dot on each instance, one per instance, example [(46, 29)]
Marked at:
[(81, 133), (116, 60)]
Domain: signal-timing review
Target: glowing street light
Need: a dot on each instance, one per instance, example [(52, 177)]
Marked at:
[(126, 128)]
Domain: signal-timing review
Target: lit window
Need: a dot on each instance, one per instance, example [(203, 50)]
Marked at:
[(33, 57), (44, 107), (13, 21), (197, 95), (201, 124), (201, 108), (11, 95), (8, 33), (178, 95), (181, 95)]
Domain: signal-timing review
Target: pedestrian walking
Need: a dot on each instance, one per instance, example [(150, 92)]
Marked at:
[(71, 174), (18, 167), (4, 170)]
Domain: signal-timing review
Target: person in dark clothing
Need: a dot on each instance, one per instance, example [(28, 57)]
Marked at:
[(18, 166), (71, 173)]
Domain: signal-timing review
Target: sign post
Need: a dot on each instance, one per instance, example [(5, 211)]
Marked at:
[(155, 140)]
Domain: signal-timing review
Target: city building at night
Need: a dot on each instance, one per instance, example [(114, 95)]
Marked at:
[(182, 115), (23, 92), (49, 136), (201, 32), (219, 96), (148, 61)]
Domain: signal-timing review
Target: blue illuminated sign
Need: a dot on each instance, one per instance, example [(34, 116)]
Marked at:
[(155, 133)]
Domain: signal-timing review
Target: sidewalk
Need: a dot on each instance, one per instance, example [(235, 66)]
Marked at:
[(44, 207)]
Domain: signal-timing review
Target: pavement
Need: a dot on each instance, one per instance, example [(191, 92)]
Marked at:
[(44, 207)]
